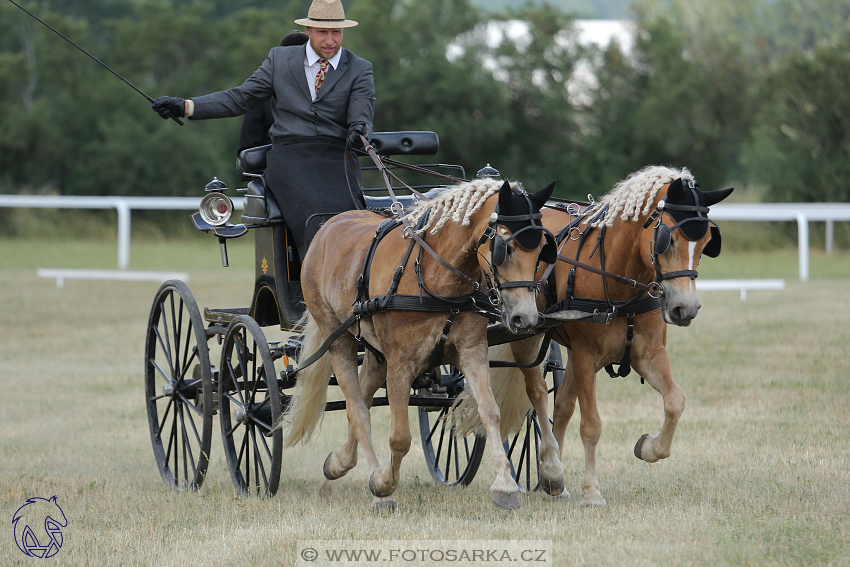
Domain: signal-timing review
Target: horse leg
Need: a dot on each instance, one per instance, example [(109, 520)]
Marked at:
[(383, 481), (590, 429), (474, 365), (657, 370), (338, 463), (551, 468), (344, 356), (565, 403)]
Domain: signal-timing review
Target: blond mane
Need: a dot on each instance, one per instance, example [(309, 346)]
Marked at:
[(457, 204), (637, 190)]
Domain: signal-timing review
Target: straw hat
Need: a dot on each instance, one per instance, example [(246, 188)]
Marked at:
[(326, 14)]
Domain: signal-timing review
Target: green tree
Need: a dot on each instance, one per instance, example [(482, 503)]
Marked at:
[(800, 147)]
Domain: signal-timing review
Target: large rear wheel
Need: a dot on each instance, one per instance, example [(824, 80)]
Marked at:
[(178, 387), (250, 407)]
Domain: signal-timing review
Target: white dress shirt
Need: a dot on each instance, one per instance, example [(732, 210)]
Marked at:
[(312, 65)]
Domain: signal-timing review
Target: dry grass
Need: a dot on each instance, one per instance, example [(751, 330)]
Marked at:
[(758, 476)]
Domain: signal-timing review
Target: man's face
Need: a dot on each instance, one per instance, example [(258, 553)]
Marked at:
[(325, 42)]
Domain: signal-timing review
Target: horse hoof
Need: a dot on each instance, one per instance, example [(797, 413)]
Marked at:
[(552, 487), (639, 446), (327, 471), (595, 502), (374, 489), (506, 500), (384, 505)]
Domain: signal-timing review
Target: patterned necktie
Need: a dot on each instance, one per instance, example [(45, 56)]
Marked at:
[(320, 76)]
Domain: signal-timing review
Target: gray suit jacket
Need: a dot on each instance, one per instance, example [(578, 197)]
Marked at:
[(347, 95)]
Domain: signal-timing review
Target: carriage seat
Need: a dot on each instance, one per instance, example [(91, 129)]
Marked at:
[(261, 210)]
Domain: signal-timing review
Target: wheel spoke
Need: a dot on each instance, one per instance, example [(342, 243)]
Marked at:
[(258, 462), (190, 404), (166, 351), (242, 449), (266, 447), (165, 418), (440, 442), (194, 429)]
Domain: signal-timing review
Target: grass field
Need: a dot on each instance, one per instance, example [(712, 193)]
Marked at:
[(759, 475)]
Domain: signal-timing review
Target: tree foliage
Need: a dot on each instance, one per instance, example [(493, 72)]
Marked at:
[(745, 90)]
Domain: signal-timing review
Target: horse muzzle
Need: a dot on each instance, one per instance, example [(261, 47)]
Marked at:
[(677, 312)]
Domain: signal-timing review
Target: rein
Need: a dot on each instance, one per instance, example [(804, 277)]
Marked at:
[(397, 209)]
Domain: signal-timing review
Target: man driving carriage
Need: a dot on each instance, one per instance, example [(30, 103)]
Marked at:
[(323, 98)]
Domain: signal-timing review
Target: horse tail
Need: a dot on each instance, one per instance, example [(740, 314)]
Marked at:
[(307, 406), (508, 385)]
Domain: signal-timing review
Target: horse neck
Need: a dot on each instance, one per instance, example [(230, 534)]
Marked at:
[(624, 254), (455, 243)]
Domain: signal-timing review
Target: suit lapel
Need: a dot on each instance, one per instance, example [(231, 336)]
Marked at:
[(333, 75), (296, 66)]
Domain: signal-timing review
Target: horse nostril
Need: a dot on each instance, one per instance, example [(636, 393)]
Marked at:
[(517, 322)]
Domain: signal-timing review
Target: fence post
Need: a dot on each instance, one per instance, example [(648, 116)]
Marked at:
[(803, 245), (123, 209), (830, 235)]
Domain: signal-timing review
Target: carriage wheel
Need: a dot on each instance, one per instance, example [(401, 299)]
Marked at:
[(178, 387), (451, 460), (250, 405), (523, 448)]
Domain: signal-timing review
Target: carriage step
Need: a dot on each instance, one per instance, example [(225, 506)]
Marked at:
[(223, 315)]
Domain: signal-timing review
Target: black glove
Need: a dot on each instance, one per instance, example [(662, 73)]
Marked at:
[(355, 131), (169, 106)]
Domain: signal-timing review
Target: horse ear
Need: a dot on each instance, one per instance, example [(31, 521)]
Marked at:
[(505, 197), (539, 199), (714, 197), (674, 190)]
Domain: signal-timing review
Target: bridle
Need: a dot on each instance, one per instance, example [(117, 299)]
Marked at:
[(663, 234), (498, 247)]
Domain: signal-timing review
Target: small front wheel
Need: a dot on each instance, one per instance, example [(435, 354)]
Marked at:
[(250, 407)]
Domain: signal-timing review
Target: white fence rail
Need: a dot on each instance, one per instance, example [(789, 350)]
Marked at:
[(802, 213)]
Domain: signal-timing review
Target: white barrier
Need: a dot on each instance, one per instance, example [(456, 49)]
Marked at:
[(741, 285), (62, 274), (123, 205), (802, 213)]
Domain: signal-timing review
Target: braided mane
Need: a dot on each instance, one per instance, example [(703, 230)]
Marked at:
[(457, 204), (638, 189)]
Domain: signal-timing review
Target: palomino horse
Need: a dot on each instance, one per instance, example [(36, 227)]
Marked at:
[(414, 340), (627, 234)]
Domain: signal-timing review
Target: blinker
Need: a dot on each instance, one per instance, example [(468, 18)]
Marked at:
[(663, 237)]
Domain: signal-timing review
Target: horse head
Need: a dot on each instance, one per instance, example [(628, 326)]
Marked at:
[(680, 233), (517, 241)]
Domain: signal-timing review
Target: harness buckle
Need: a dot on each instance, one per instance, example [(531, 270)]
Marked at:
[(604, 317), (396, 208)]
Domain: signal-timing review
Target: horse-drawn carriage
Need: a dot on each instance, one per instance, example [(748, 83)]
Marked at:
[(251, 386), (185, 390)]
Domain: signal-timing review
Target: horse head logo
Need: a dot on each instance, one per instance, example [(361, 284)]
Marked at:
[(38, 527)]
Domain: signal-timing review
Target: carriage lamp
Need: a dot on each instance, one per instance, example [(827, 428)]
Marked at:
[(216, 208), (488, 172)]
